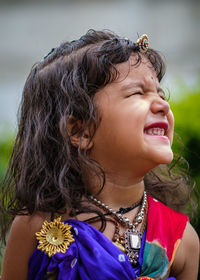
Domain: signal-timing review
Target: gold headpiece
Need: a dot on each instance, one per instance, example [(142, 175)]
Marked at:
[(143, 43)]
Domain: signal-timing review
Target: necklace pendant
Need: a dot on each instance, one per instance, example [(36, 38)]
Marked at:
[(120, 246), (133, 240)]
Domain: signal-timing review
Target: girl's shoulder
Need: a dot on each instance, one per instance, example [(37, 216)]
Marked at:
[(23, 229), (21, 244), (185, 265), (33, 223), (29, 224)]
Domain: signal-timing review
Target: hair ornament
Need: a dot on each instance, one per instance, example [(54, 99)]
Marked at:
[(143, 43)]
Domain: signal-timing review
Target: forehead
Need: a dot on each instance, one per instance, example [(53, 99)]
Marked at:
[(134, 69), (131, 75)]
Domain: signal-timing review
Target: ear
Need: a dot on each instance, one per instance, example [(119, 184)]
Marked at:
[(79, 134)]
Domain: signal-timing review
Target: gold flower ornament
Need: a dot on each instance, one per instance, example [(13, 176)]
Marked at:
[(54, 237)]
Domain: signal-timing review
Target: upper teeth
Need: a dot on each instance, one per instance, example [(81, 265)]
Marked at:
[(155, 131)]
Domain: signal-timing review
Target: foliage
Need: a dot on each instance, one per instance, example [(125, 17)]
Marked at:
[(187, 126), (5, 151), (6, 143)]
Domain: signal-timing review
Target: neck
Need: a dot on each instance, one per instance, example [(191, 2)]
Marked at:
[(117, 195)]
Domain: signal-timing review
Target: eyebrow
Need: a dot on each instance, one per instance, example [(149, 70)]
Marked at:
[(131, 85)]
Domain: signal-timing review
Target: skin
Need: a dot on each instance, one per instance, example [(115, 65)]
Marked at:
[(120, 144), (127, 153)]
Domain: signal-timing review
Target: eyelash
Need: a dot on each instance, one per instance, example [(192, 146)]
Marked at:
[(135, 93), (141, 93), (163, 97)]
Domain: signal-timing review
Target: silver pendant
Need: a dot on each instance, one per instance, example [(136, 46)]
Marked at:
[(133, 240)]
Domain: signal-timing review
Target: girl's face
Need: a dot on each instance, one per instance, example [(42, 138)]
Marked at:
[(136, 128)]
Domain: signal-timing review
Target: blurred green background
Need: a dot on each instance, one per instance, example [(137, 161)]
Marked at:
[(187, 126)]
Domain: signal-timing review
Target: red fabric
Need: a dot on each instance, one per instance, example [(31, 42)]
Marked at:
[(165, 226)]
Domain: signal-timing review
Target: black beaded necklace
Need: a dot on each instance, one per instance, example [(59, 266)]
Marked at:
[(121, 210), (126, 210)]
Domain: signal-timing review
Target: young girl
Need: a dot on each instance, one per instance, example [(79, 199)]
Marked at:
[(83, 189)]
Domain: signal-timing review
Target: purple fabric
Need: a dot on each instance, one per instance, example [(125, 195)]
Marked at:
[(91, 256)]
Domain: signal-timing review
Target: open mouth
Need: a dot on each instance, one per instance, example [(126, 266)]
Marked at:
[(159, 129), (155, 131)]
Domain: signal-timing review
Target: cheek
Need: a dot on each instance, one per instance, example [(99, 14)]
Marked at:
[(171, 125), (131, 118)]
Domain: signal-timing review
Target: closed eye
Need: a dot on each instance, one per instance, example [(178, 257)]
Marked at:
[(135, 93), (161, 94)]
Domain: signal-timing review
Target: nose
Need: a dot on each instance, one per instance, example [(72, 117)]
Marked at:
[(160, 105)]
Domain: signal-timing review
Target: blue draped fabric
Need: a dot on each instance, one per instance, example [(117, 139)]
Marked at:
[(91, 256)]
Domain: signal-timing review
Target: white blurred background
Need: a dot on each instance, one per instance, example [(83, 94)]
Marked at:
[(29, 29)]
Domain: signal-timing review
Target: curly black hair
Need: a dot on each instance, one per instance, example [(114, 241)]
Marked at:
[(45, 168)]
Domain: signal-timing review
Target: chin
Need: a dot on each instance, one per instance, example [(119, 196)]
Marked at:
[(166, 158), (163, 156)]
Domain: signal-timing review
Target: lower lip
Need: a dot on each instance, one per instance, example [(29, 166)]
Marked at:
[(163, 137)]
